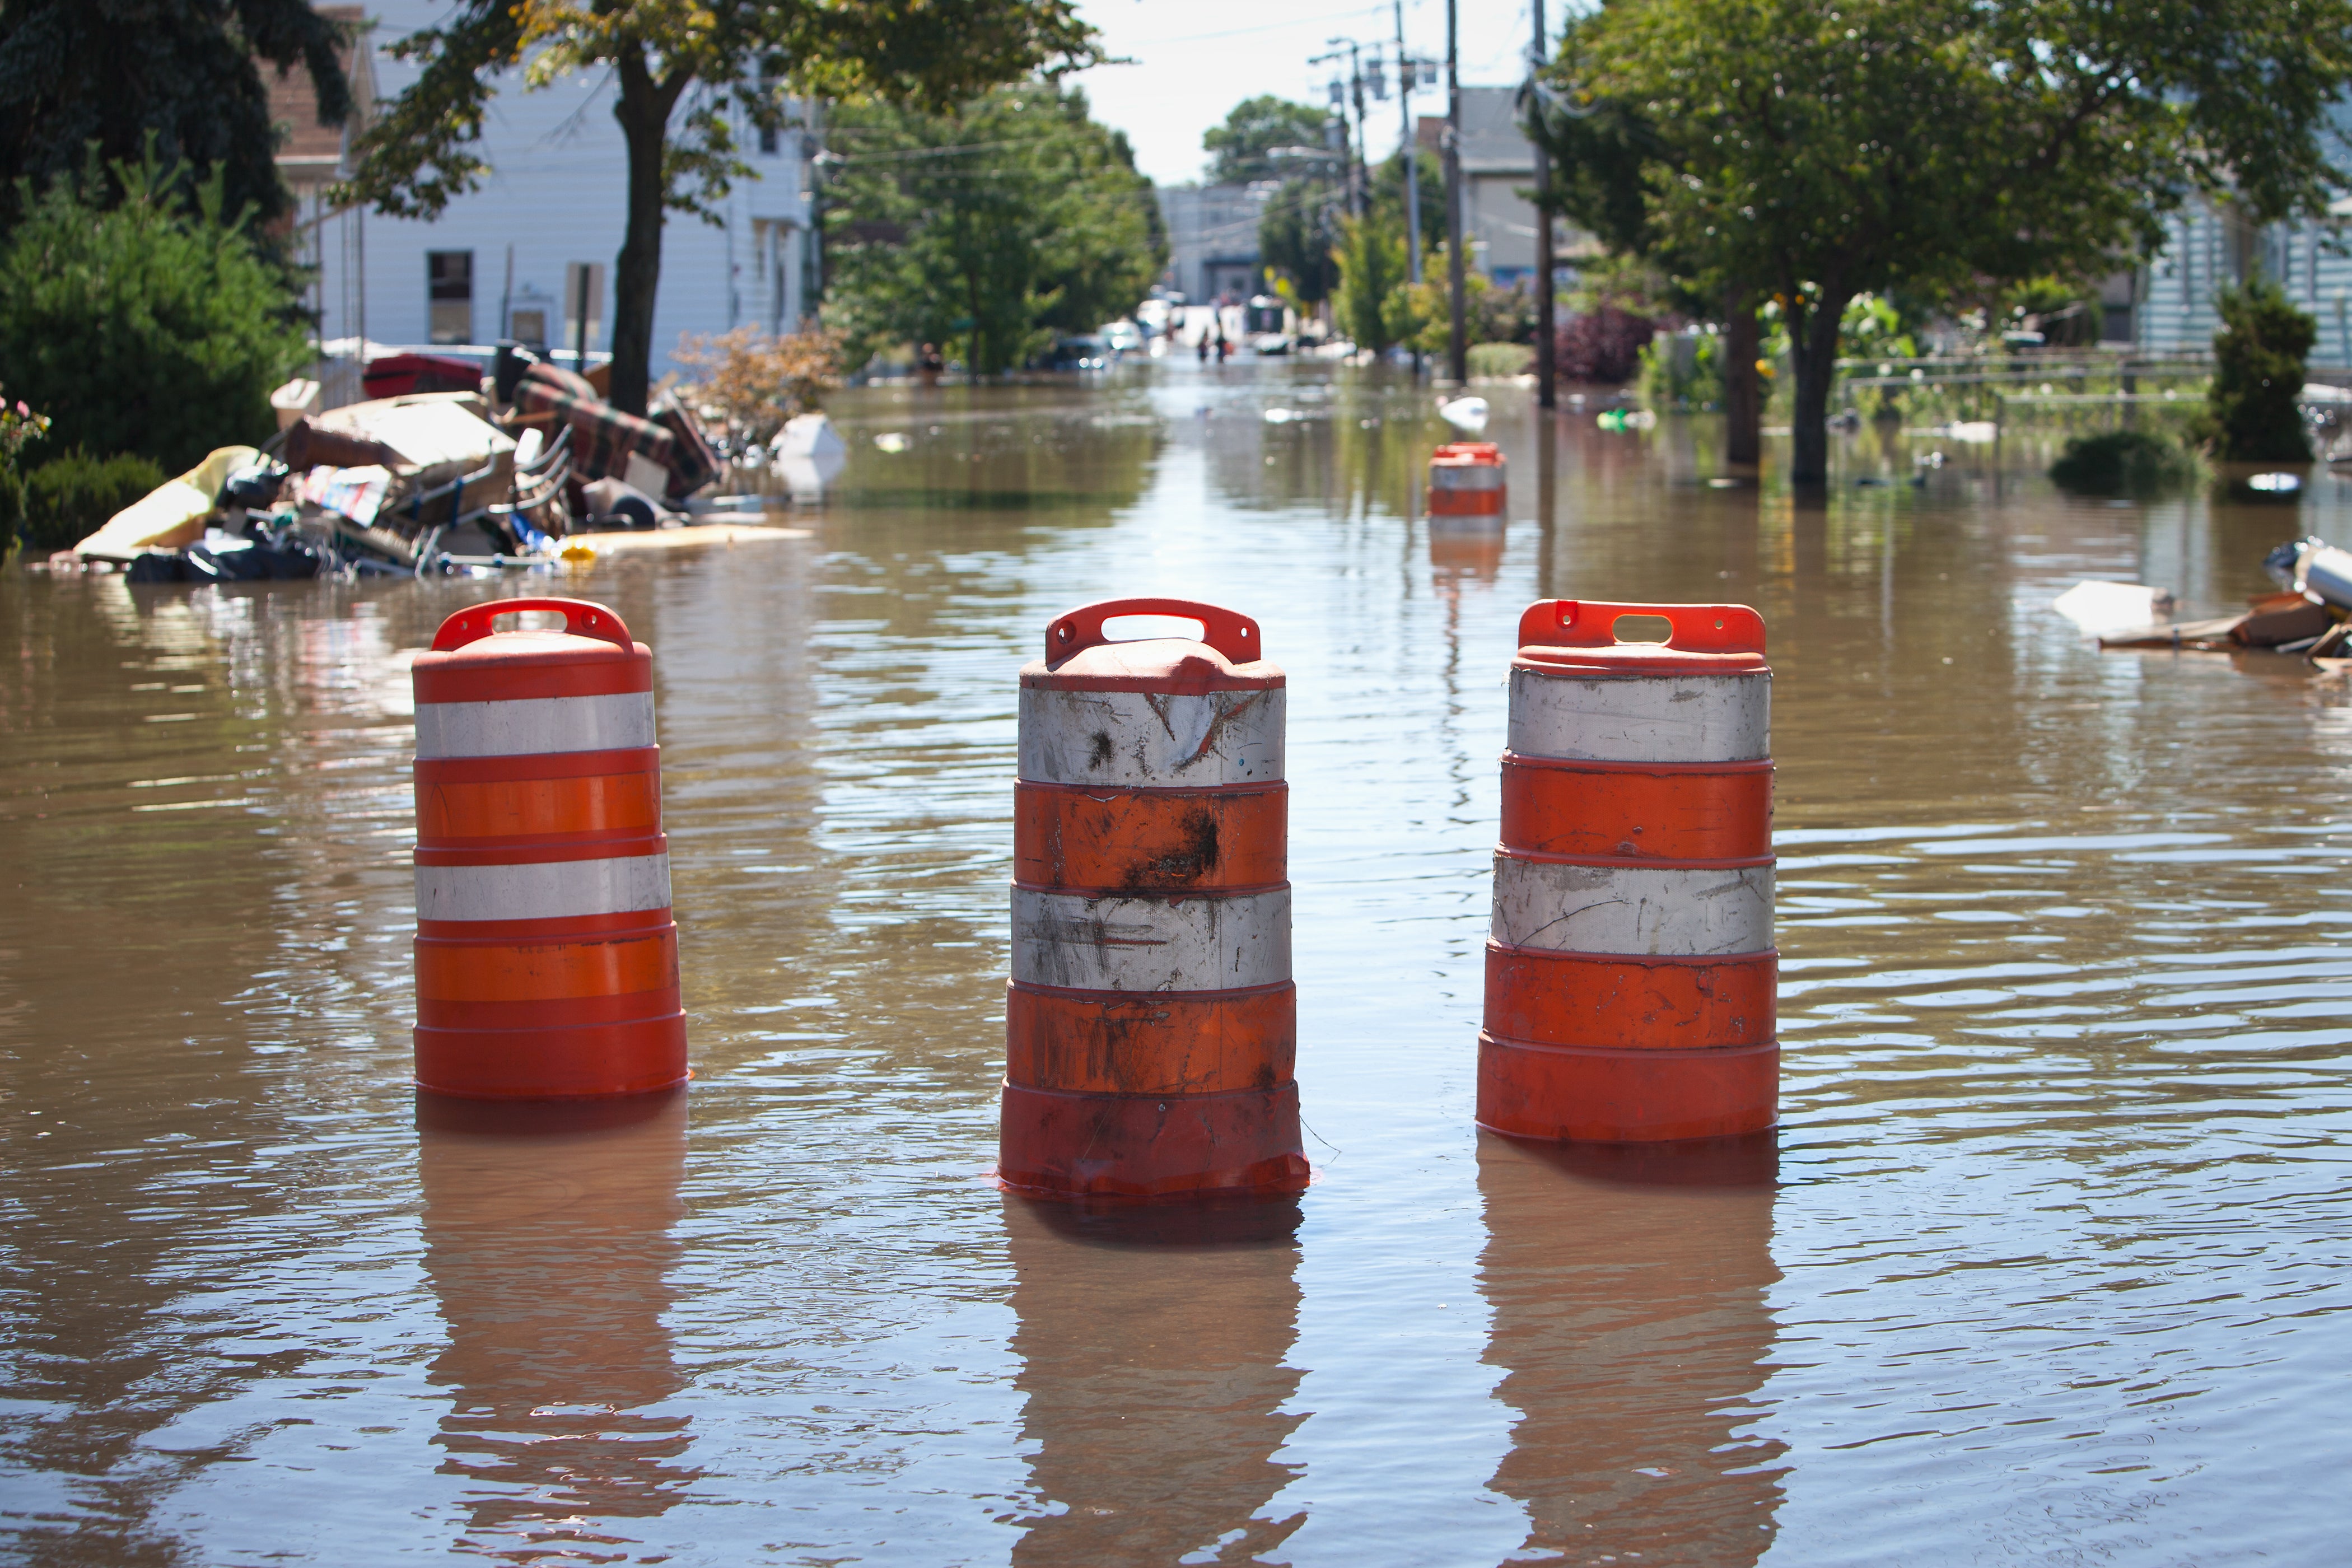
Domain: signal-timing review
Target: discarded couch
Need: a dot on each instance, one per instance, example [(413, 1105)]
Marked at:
[(670, 452)]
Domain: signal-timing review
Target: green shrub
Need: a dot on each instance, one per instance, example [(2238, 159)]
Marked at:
[(140, 319), (1682, 373), (69, 498), (1501, 359), (2121, 461), (2250, 414)]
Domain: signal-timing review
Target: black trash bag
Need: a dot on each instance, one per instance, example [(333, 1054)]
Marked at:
[(255, 486), (156, 566)]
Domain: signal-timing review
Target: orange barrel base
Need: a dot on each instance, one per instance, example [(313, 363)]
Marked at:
[(1587, 1095), (1618, 1001), (1150, 1042), (1146, 1146), (561, 1062), (1465, 503)]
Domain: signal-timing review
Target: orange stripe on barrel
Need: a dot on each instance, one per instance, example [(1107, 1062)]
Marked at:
[(1149, 840), (542, 971), (1151, 1146), (1712, 812), (526, 808), (1464, 503), (1100, 1042), (1625, 1097), (1622, 1002)]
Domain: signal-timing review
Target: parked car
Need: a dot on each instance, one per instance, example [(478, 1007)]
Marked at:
[(1088, 351), (1122, 337)]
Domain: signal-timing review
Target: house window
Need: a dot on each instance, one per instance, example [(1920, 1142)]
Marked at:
[(768, 139), (449, 293)]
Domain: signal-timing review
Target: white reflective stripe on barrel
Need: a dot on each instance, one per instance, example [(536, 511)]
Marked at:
[(1151, 943), (1482, 477), (1623, 909), (543, 891), (1642, 717), (1146, 737), (533, 724)]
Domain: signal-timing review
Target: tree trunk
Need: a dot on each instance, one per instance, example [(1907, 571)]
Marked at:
[(1743, 402), (1814, 345), (643, 109)]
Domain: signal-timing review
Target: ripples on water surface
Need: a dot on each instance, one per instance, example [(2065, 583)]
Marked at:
[(2047, 1264)]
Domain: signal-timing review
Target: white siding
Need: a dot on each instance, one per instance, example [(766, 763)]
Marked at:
[(555, 195)]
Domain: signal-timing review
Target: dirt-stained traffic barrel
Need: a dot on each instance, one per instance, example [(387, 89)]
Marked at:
[(1151, 1020), (1631, 975)]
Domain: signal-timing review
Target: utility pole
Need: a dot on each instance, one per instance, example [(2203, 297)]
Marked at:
[(1363, 167), (1405, 84), (1546, 375), (1457, 356)]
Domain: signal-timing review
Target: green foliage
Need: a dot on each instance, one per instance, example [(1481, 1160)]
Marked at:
[(1296, 237), (1501, 359), (186, 73), (1242, 148), (1387, 195), (1817, 150), (1683, 372), (142, 322), (71, 497), (2250, 412), (1372, 304), (1489, 314), (999, 227), (2121, 462), (2066, 313)]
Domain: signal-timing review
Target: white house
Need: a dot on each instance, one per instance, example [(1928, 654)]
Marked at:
[(494, 263)]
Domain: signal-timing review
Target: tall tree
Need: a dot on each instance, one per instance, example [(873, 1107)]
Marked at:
[(187, 72), (678, 66), (1295, 237), (1816, 150), (999, 227), (1247, 146)]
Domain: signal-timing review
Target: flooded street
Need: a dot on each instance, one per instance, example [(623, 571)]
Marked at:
[(2051, 1260)]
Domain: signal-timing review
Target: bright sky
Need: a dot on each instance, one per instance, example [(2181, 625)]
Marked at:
[(1195, 59)]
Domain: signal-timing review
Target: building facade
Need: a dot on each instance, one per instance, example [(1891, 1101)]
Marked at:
[(507, 260), (2208, 249), (1213, 250)]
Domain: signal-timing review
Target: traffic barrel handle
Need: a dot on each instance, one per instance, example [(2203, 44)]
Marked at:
[(581, 618), (1592, 623), (1232, 634)]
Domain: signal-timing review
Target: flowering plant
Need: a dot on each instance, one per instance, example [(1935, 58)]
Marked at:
[(18, 424)]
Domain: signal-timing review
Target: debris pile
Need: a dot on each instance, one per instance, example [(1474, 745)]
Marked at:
[(2310, 614), (431, 475)]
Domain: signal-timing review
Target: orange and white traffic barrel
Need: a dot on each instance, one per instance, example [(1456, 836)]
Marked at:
[(1465, 479), (546, 956), (1631, 975), (1151, 1021)]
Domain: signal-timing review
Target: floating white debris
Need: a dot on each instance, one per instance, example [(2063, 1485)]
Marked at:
[(892, 441), (1464, 413), (1282, 415), (2275, 484), (2097, 608)]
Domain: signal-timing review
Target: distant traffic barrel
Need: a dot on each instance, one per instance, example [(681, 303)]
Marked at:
[(546, 956), (1465, 479), (1151, 1021), (1631, 975)]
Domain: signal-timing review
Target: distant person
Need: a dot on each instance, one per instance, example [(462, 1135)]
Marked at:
[(1224, 347), (1202, 343), (930, 365)]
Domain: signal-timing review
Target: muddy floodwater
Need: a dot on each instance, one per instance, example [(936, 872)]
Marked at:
[(2049, 1260)]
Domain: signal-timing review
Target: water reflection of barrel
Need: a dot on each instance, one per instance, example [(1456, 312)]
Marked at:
[(1152, 1341), (548, 1242), (1469, 547), (1627, 1283)]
